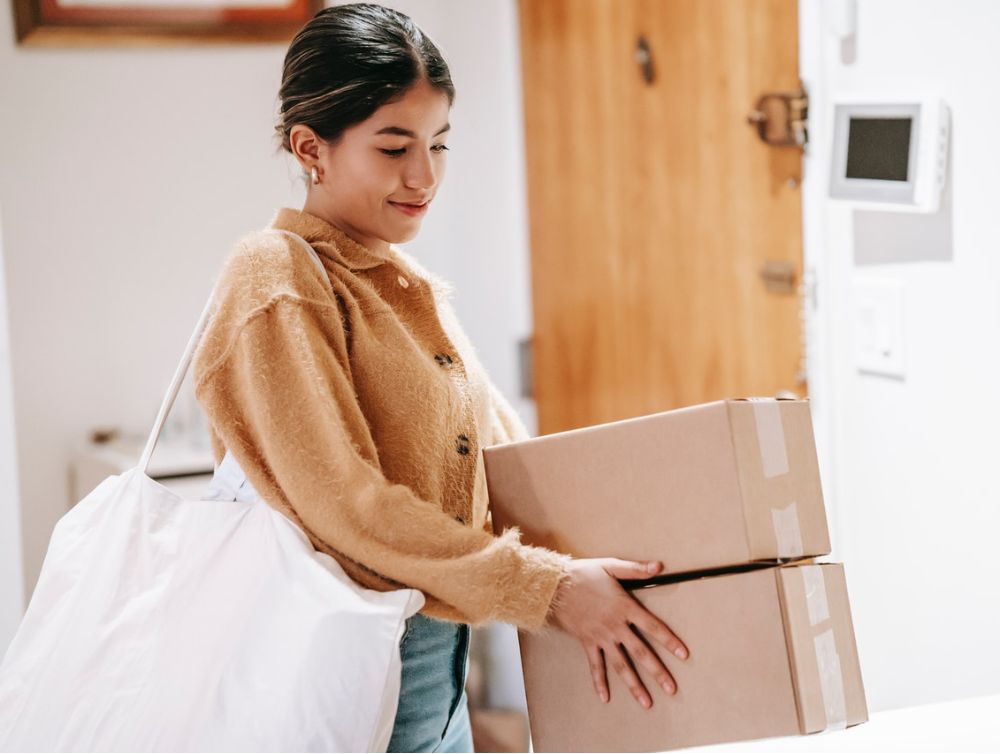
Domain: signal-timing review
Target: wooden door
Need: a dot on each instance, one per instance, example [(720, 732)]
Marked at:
[(654, 206)]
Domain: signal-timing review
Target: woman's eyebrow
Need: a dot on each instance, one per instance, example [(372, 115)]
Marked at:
[(397, 131)]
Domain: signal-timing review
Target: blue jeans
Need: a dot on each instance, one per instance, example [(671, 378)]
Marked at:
[(433, 713)]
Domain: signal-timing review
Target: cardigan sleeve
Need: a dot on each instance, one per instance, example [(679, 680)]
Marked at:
[(280, 397)]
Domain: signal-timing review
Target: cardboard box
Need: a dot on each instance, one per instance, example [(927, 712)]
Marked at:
[(498, 730), (772, 653), (708, 486)]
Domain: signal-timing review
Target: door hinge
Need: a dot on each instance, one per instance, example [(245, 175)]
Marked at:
[(778, 276), (525, 367)]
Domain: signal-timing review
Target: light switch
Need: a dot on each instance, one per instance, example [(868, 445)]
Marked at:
[(878, 327)]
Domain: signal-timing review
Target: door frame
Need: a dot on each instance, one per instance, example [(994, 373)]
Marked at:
[(11, 549), (820, 330)]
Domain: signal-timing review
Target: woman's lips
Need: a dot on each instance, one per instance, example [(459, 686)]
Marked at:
[(410, 209)]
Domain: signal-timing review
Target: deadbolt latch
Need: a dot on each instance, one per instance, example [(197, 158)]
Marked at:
[(780, 118)]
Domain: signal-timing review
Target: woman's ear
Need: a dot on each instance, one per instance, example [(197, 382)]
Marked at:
[(305, 145)]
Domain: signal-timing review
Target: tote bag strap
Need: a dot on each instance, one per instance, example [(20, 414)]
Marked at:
[(182, 368)]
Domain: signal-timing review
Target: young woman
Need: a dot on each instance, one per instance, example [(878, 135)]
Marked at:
[(356, 405)]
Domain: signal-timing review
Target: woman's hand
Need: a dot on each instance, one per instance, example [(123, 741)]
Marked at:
[(591, 605)]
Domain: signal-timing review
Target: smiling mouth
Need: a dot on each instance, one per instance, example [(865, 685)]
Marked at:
[(413, 210)]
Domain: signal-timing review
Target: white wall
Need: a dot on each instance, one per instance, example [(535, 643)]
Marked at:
[(909, 464), (126, 177)]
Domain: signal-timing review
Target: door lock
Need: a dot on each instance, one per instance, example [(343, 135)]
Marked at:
[(780, 118)]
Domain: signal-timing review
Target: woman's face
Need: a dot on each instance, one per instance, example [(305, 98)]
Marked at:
[(375, 176)]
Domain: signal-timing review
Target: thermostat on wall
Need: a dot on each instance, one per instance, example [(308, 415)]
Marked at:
[(890, 154)]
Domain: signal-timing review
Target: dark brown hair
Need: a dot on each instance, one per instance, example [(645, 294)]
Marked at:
[(347, 62)]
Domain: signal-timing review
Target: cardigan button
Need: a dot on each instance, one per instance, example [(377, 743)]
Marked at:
[(443, 359), (463, 445), (403, 281)]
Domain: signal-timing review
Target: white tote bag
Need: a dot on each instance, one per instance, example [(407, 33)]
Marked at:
[(165, 624)]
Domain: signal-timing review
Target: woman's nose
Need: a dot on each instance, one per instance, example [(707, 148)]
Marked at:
[(420, 172)]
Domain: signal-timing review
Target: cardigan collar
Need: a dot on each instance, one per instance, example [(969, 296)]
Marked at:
[(328, 239)]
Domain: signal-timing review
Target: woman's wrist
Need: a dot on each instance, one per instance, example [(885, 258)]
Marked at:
[(559, 596)]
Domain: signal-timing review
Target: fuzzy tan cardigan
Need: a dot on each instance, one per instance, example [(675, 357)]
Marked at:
[(361, 413)]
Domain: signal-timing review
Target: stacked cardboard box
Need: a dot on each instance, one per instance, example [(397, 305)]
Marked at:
[(727, 495)]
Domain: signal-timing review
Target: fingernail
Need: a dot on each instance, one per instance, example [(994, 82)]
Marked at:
[(645, 702), (653, 567), (604, 697), (681, 652), (668, 687)]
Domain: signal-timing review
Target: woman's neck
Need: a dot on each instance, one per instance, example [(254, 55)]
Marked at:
[(376, 245)]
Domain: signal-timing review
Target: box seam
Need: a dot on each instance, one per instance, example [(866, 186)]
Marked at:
[(793, 670)]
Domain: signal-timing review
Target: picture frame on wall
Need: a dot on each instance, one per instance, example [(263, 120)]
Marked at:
[(77, 23)]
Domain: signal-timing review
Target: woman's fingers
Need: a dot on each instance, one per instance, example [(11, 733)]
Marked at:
[(610, 624), (643, 656), (614, 654), (631, 569), (598, 671), (655, 629)]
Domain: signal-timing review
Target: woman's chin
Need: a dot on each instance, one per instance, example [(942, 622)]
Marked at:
[(404, 234)]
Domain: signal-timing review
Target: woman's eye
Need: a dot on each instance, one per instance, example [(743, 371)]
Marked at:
[(402, 150)]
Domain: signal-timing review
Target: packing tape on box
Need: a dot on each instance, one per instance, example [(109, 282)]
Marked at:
[(787, 532), (774, 462), (831, 677), (831, 680), (770, 436), (819, 608)]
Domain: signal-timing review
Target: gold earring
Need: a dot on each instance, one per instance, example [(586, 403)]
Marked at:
[(315, 175)]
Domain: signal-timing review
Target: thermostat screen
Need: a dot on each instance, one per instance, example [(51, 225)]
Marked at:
[(879, 148)]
